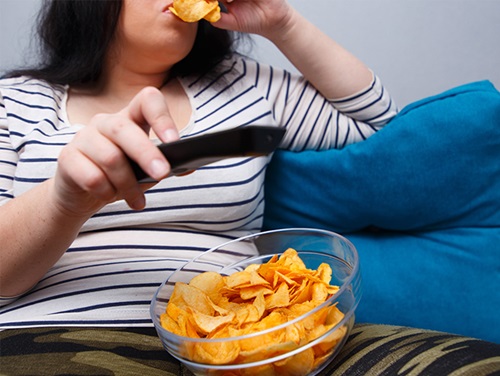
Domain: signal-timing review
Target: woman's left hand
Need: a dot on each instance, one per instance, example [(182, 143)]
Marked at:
[(262, 17)]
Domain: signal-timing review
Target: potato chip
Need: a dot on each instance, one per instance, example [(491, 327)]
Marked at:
[(296, 333), (213, 15), (269, 350), (319, 292), (258, 298), (206, 324), (264, 370), (195, 10), (210, 283), (170, 324), (326, 346), (185, 327), (281, 277), (216, 352), (260, 304), (174, 311), (188, 296), (280, 298), (238, 279), (251, 292), (299, 364), (325, 273)]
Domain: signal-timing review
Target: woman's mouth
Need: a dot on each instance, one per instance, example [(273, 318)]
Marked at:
[(166, 9)]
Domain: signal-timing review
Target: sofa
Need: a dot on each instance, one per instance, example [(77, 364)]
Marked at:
[(420, 200)]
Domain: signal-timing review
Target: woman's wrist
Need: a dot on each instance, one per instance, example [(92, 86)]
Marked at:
[(59, 209), (284, 28)]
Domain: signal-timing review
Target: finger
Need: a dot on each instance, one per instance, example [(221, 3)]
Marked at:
[(226, 22), (78, 173), (131, 141), (227, 19), (149, 109), (91, 179), (113, 172), (186, 173)]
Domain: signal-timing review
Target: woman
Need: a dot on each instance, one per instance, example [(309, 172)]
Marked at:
[(82, 242)]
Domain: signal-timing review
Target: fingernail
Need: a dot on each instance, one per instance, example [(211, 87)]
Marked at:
[(170, 135), (158, 169), (138, 203)]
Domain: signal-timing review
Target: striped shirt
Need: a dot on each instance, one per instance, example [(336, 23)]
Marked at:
[(111, 271)]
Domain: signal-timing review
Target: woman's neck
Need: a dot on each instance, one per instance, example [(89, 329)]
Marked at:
[(120, 83), (118, 87)]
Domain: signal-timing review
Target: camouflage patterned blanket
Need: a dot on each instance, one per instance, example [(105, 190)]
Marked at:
[(371, 350)]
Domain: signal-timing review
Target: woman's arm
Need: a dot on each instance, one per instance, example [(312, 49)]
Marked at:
[(93, 170), (35, 233), (333, 70)]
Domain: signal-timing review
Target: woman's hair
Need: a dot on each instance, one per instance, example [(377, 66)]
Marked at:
[(75, 36)]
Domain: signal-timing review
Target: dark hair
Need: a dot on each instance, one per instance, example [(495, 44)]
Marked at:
[(75, 36)]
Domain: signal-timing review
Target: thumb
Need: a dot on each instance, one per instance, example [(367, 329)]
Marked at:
[(226, 22)]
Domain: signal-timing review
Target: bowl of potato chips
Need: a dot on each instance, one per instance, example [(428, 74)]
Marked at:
[(279, 302)]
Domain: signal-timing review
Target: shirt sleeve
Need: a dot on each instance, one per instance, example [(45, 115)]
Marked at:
[(317, 123), (8, 162), (8, 156)]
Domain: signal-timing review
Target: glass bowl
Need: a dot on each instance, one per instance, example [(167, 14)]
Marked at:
[(264, 354)]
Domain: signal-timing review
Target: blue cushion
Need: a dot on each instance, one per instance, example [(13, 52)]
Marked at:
[(433, 170), (445, 280)]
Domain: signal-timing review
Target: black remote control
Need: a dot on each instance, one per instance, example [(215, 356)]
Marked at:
[(190, 153)]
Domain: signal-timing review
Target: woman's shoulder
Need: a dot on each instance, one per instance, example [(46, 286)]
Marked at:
[(248, 66), (25, 88)]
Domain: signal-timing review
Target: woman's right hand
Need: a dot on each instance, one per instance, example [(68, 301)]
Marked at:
[(94, 168), (262, 17)]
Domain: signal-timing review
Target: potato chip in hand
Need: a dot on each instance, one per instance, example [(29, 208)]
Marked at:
[(195, 10)]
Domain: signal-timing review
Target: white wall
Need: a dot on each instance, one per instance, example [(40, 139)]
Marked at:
[(417, 47), (17, 18)]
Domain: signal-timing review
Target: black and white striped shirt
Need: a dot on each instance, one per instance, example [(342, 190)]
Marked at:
[(110, 273)]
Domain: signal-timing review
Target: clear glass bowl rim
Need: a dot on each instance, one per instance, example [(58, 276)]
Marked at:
[(347, 282)]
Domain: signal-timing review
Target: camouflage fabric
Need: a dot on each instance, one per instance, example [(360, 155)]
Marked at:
[(370, 350)]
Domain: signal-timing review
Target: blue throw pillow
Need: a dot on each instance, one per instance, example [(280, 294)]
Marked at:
[(421, 199), (436, 165)]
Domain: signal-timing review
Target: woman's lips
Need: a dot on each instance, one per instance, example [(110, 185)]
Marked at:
[(166, 8)]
